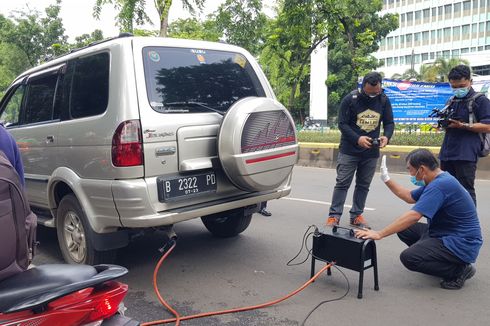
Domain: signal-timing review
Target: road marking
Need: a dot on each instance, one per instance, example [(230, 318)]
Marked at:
[(323, 203)]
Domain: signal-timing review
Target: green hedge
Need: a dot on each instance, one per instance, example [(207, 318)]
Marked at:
[(399, 138)]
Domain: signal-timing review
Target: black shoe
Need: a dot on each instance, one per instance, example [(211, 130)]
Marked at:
[(457, 283), (265, 212)]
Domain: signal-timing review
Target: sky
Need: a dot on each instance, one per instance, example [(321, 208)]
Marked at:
[(77, 14)]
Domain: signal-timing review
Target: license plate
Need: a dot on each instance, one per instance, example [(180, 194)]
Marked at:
[(186, 186)]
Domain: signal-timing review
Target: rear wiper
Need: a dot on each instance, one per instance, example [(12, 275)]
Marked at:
[(202, 105)]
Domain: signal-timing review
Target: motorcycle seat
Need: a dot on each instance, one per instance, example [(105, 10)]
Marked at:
[(40, 285)]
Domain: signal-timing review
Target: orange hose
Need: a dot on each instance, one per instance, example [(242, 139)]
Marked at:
[(178, 318), (155, 286)]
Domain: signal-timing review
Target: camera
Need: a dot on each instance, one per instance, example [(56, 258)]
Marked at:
[(375, 142), (443, 116)]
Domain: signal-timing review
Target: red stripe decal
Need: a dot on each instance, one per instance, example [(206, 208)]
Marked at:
[(268, 158)]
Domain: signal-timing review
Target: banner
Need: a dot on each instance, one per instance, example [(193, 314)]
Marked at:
[(413, 102)]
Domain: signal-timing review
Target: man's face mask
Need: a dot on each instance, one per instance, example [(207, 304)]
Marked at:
[(460, 92), (418, 183)]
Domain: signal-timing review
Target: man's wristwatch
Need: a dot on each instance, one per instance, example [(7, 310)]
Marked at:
[(466, 125)]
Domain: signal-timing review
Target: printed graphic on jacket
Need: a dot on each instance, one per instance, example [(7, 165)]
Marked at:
[(368, 120)]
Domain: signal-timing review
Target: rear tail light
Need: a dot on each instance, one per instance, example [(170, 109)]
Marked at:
[(127, 145), (106, 304)]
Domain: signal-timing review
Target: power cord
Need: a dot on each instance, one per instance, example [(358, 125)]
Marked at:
[(303, 245)]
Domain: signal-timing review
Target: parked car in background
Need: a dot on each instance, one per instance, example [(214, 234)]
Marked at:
[(133, 133)]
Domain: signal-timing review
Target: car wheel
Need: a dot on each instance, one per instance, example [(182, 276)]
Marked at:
[(227, 224), (74, 236)]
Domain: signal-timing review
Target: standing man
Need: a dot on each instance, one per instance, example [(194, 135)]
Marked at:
[(10, 149), (360, 117), (451, 239), (459, 150)]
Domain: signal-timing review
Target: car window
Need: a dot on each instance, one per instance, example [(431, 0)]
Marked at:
[(90, 86), (196, 80), (40, 98), (10, 115)]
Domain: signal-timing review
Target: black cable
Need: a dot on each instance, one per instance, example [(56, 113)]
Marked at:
[(303, 244), (330, 300)]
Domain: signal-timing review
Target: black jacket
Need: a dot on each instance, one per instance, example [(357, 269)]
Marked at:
[(361, 115)]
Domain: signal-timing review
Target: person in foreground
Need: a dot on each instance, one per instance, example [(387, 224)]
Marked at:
[(450, 241)]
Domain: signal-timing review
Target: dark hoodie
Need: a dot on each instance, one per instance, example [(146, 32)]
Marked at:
[(363, 117)]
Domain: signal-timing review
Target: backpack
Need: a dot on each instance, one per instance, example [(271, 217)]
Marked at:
[(484, 137), (18, 223)]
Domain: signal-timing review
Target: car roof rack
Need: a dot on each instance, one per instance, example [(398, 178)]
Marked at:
[(121, 35)]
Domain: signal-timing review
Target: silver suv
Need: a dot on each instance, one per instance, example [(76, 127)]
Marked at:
[(134, 133)]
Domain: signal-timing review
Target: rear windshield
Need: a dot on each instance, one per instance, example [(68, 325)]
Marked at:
[(180, 80)]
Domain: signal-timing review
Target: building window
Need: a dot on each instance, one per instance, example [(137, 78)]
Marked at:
[(439, 35), (408, 59), (465, 31), (417, 58), (480, 48), (389, 43), (432, 55), (456, 33), (474, 30), (426, 15), (425, 38), (397, 42), (433, 39), (402, 60), (402, 20), (475, 7), (434, 14), (425, 57), (389, 62), (409, 18), (418, 17), (439, 12), (455, 53), (402, 41), (446, 54), (457, 10), (465, 50), (448, 11), (416, 39), (466, 8), (408, 39), (395, 61), (447, 34)]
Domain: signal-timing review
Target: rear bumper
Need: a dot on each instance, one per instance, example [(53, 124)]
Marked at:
[(173, 216)]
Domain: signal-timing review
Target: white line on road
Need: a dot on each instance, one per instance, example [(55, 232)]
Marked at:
[(323, 202)]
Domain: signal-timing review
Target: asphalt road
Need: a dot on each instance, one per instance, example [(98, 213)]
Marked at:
[(204, 273)]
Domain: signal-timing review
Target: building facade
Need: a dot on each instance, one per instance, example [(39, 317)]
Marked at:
[(429, 29)]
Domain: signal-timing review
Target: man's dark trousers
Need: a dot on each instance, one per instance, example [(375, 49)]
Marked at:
[(428, 255)]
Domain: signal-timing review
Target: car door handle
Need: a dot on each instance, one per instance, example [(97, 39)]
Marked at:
[(50, 139)]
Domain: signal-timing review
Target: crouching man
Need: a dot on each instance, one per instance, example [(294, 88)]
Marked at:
[(450, 241)]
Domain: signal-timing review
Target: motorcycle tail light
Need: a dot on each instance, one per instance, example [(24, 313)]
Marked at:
[(106, 303)]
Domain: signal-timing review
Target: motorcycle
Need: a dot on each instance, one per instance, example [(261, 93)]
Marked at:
[(59, 294)]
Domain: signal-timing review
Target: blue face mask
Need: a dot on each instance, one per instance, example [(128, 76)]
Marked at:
[(461, 92), (418, 183)]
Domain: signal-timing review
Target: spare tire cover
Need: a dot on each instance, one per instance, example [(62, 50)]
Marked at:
[(257, 144)]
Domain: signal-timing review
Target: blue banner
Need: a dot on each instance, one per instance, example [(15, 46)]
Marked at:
[(413, 102)]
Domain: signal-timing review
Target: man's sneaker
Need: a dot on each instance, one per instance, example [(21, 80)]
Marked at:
[(359, 222), (457, 283), (333, 221)]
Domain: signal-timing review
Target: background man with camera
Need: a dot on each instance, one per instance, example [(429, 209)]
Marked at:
[(461, 146), (360, 117)]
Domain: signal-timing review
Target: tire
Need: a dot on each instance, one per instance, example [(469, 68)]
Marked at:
[(227, 224), (74, 237)]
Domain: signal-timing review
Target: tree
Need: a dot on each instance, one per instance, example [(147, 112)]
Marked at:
[(355, 30), (133, 11), (242, 23), (192, 28), (443, 67), (34, 35)]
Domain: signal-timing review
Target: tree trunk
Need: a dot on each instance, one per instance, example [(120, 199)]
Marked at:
[(164, 26)]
